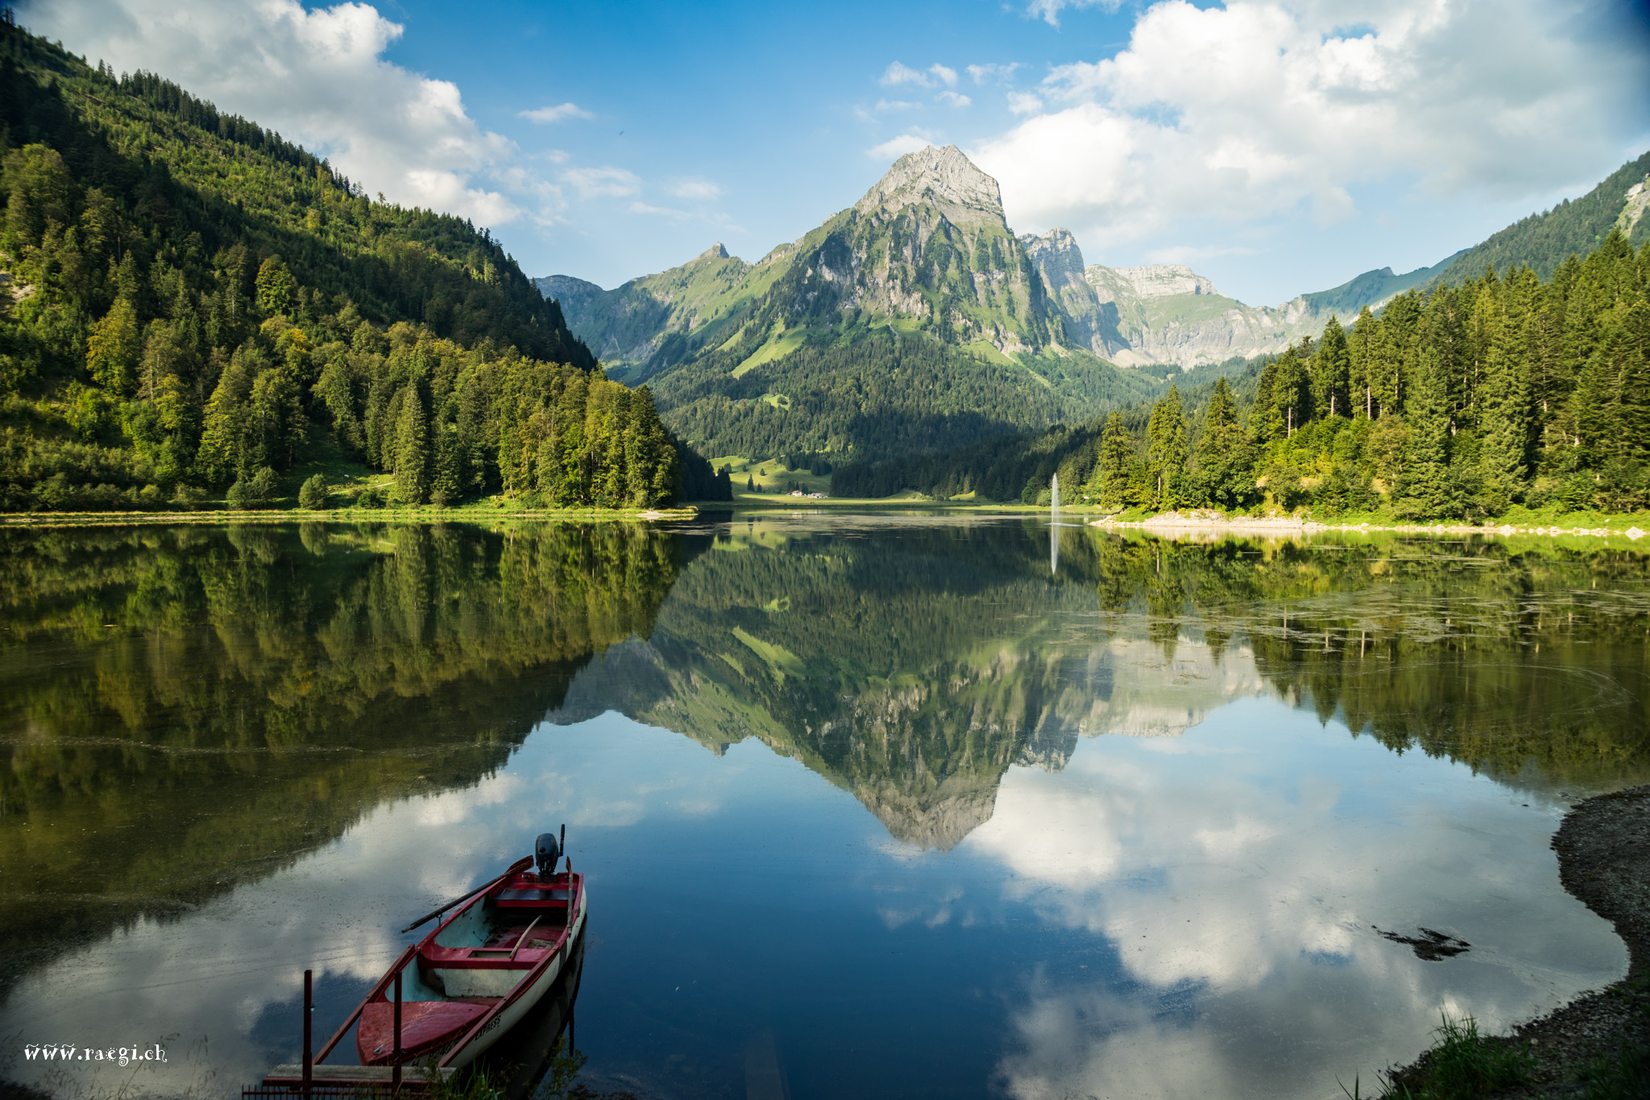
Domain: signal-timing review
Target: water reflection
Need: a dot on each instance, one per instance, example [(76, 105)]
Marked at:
[(1132, 825), (185, 709), (1241, 881)]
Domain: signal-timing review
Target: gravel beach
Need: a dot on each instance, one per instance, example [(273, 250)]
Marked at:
[(1598, 1044)]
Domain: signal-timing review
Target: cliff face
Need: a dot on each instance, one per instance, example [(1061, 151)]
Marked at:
[(1167, 313)]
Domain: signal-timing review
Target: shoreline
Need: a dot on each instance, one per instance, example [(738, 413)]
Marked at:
[(345, 515), (1170, 523), (1600, 1042)]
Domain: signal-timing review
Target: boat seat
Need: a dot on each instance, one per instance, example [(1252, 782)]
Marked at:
[(425, 1025), (495, 953), (532, 896)]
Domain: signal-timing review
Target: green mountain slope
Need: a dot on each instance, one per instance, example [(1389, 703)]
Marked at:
[(642, 323), (914, 319), (195, 305), (1572, 228), (1373, 288)]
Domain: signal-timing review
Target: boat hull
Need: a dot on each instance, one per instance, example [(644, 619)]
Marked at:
[(469, 989)]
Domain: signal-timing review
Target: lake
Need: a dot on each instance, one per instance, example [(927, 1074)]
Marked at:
[(914, 806)]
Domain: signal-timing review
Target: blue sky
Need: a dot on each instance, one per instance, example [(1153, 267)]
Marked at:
[(1276, 147)]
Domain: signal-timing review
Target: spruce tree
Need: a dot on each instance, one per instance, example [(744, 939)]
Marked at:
[(1504, 407), (1221, 469), (1112, 472), (1426, 490), (412, 448), (1331, 373), (1166, 450)]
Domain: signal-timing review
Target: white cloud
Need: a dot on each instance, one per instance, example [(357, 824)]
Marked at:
[(897, 147), (602, 182), (695, 190), (935, 76), (555, 113), (954, 99), (319, 77), (994, 72), (898, 73), (1238, 889), (885, 105), (1253, 111), (650, 210), (1049, 10), (1024, 103)]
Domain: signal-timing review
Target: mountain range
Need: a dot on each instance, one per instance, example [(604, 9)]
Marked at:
[(924, 277)]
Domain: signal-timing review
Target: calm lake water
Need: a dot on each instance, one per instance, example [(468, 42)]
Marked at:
[(874, 807)]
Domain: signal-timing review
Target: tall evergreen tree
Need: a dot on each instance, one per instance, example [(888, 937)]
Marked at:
[(1504, 415), (1114, 469), (1331, 373), (1166, 450), (412, 448), (1221, 469), (1426, 490)]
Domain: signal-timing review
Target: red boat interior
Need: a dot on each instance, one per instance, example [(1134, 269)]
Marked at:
[(474, 958)]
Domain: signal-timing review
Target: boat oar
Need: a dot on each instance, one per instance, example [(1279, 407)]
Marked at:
[(433, 913), (519, 865)]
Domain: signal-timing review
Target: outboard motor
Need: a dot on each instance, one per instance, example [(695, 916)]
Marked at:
[(547, 851)]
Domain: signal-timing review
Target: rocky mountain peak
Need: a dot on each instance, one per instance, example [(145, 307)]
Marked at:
[(939, 175), (1056, 255), (714, 252), (1163, 280)]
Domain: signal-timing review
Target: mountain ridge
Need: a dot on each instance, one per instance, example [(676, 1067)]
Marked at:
[(1177, 331)]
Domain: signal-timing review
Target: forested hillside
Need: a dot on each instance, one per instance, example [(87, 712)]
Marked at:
[(194, 308), (1464, 401), (1574, 227)]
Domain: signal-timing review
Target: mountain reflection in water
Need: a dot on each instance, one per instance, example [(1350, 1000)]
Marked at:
[(1132, 825)]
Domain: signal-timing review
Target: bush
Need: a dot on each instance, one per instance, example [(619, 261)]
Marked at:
[(313, 493), (254, 491)]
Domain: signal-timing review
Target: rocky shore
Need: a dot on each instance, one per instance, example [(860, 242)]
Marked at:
[(1599, 1044), (1183, 523)]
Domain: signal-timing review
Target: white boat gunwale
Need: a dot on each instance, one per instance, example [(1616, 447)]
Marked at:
[(534, 980)]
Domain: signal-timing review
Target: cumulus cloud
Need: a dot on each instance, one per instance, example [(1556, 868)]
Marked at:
[(555, 113), (935, 76), (696, 190), (1049, 10), (1236, 891), (993, 72), (647, 209), (954, 99), (1024, 103), (1255, 110), (897, 147), (320, 78), (603, 181)]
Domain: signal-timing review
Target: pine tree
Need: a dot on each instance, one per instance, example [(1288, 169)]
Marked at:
[(1331, 373), (113, 347), (276, 290), (1111, 481), (1361, 349), (412, 448), (1221, 468), (1504, 406), (1291, 404), (1426, 490), (1166, 451)]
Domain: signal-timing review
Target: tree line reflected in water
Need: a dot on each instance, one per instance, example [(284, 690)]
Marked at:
[(186, 708)]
